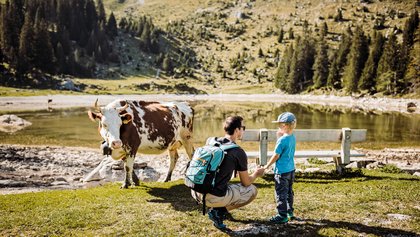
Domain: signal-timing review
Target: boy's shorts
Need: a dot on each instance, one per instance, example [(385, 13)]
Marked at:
[(236, 196)]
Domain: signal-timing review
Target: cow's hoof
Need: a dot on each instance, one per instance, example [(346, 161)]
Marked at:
[(125, 186), (137, 184)]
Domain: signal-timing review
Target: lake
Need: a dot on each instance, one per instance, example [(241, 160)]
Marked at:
[(72, 127)]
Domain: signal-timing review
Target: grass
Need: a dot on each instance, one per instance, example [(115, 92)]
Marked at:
[(329, 206)]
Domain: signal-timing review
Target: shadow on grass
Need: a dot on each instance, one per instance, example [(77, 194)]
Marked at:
[(310, 227), (333, 177), (179, 196)]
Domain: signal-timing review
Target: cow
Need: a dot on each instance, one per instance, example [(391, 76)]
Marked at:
[(130, 126)]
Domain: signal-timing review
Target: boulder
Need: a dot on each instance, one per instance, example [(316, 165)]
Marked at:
[(11, 123)]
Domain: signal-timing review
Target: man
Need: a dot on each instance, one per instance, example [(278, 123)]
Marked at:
[(227, 196)]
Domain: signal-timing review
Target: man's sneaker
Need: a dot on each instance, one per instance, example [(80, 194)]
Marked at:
[(277, 219), (216, 218), (290, 215)]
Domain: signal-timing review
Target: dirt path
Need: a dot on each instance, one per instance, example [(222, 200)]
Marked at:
[(38, 168), (64, 101)]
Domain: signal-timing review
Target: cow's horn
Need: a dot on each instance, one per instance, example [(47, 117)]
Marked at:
[(96, 106), (124, 107)]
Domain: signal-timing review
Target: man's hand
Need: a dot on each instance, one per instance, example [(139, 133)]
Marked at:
[(259, 172)]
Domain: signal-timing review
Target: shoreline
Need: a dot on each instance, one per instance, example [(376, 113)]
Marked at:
[(31, 103)]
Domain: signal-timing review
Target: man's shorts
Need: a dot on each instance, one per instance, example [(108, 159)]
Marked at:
[(236, 196)]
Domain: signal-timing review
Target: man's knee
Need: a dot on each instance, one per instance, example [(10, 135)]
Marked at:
[(254, 192)]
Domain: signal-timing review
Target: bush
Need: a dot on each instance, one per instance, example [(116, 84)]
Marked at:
[(314, 160), (392, 169)]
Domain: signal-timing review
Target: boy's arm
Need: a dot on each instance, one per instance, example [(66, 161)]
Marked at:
[(273, 159)]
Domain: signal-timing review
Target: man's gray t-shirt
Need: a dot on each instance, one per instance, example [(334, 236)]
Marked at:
[(235, 159)]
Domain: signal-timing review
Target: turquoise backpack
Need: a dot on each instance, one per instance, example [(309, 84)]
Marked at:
[(203, 168)]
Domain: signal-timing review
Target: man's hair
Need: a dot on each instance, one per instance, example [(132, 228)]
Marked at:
[(232, 123)]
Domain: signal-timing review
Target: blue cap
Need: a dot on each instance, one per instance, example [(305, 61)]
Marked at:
[(285, 117)]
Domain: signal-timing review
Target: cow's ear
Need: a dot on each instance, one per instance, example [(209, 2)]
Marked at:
[(126, 118), (93, 116)]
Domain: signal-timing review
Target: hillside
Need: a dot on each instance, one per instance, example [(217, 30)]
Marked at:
[(218, 46), (220, 32)]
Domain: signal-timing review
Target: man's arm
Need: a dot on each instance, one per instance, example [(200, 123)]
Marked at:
[(247, 179)]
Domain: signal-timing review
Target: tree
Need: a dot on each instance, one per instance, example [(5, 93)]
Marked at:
[(291, 34), (260, 53), (26, 54), (281, 35), (357, 57), (112, 25), (44, 54), (321, 64), (283, 70), (368, 78), (388, 66), (324, 29), (101, 11), (167, 64), (339, 61)]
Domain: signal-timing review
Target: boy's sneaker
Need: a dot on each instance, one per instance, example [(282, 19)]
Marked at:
[(277, 219), (290, 215), (216, 218)]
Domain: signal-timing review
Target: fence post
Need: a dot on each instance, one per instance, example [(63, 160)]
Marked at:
[(345, 145), (263, 146)]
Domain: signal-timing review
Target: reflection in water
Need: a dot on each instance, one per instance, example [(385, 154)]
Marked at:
[(72, 127)]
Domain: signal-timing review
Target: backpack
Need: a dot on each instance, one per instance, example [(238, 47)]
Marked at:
[(203, 168)]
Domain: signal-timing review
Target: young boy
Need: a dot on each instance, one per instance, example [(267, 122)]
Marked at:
[(284, 169)]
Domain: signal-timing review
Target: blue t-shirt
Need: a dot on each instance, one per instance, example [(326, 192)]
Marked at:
[(285, 148)]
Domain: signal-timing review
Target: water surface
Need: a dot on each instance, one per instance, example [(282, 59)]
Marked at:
[(72, 127)]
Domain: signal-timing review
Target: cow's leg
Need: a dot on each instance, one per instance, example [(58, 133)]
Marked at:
[(135, 179), (189, 147), (128, 168), (187, 141), (173, 156)]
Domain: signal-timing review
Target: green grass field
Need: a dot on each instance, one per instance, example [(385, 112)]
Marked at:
[(356, 205)]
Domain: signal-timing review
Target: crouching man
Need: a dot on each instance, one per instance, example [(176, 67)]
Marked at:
[(227, 196)]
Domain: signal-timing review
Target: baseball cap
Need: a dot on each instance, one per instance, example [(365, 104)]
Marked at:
[(285, 117)]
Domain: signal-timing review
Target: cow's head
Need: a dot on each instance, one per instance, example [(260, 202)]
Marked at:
[(111, 118)]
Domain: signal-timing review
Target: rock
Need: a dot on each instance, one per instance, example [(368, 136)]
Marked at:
[(12, 183), (60, 179), (416, 174), (399, 216), (68, 84), (11, 123), (311, 170), (57, 183), (375, 165)]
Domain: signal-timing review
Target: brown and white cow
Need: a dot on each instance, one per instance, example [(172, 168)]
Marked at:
[(146, 127)]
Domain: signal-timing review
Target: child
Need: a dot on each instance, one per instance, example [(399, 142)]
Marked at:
[(284, 169)]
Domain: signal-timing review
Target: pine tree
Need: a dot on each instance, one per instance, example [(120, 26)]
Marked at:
[(44, 54), (112, 25), (291, 34), (167, 64), (281, 36), (101, 11), (260, 53), (357, 57), (339, 61), (321, 64), (388, 66), (283, 70), (324, 29), (26, 48), (368, 77), (90, 15), (410, 27)]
